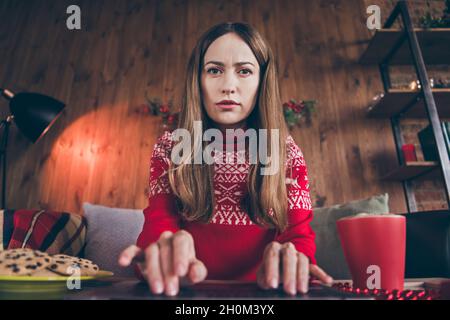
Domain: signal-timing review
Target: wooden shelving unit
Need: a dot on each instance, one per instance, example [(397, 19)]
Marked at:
[(417, 47), (409, 104), (411, 170), (435, 44)]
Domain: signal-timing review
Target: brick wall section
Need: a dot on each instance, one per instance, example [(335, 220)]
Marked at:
[(430, 194)]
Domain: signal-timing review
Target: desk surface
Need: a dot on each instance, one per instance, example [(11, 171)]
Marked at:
[(131, 289), (114, 288)]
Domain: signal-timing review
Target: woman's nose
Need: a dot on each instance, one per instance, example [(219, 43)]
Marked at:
[(229, 84), (228, 91)]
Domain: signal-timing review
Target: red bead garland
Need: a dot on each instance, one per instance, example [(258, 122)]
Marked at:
[(381, 294)]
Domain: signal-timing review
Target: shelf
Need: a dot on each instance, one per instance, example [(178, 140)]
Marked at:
[(418, 48), (434, 43), (412, 170), (396, 100), (417, 214)]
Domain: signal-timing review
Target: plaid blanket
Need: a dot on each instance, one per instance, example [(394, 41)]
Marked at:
[(49, 231)]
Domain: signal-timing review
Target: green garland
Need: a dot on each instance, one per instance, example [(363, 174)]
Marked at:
[(294, 112), (428, 21), (166, 110)]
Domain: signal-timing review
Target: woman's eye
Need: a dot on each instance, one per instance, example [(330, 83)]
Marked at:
[(212, 69), (247, 70)]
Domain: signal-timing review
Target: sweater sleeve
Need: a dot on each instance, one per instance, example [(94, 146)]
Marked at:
[(300, 213), (161, 214)]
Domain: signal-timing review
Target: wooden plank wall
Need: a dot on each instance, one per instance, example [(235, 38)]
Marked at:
[(99, 150)]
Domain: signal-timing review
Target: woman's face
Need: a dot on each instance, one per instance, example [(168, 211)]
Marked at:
[(230, 72)]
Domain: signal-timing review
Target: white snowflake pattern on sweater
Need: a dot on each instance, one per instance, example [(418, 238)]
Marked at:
[(230, 178)]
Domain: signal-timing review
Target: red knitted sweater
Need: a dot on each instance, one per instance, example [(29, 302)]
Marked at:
[(231, 246)]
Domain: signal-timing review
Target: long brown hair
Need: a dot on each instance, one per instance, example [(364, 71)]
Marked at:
[(266, 202)]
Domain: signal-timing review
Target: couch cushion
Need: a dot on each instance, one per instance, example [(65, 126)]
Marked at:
[(109, 231), (329, 254), (50, 231)]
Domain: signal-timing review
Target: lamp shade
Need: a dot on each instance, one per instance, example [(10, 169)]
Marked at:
[(34, 113)]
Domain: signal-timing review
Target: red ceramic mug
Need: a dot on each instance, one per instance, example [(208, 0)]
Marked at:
[(409, 152), (374, 247)]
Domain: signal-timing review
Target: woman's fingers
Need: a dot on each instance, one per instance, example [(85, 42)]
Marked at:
[(260, 277), (316, 271), (153, 271), (302, 273), (289, 261), (129, 254), (183, 252), (197, 271), (171, 283), (165, 262), (271, 262)]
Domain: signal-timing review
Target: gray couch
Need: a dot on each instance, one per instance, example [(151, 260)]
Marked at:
[(110, 230)]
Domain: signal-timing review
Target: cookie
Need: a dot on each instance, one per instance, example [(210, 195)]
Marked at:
[(46, 273), (23, 262), (64, 264)]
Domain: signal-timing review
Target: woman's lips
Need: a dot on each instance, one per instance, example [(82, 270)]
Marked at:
[(227, 106)]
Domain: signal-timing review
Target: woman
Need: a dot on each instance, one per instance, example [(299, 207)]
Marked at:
[(226, 221)]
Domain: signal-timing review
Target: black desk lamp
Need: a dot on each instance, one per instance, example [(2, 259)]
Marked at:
[(33, 114)]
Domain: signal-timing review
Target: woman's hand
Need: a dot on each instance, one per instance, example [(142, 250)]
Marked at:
[(167, 262), (282, 263)]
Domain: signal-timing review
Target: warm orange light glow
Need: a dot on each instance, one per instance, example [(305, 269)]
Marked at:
[(100, 157)]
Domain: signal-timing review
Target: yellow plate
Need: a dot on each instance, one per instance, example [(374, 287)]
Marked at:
[(100, 274), (36, 285)]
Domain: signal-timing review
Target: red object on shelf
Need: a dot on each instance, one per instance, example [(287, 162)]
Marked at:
[(409, 152)]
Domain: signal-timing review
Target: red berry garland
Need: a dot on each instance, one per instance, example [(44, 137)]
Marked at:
[(390, 294), (157, 108), (295, 111)]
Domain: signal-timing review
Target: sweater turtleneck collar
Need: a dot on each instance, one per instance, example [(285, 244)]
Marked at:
[(234, 132)]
